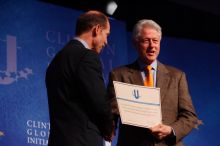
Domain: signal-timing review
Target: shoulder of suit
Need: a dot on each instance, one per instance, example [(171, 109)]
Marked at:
[(77, 46), (126, 68), (173, 70), (170, 69), (120, 68), (74, 50)]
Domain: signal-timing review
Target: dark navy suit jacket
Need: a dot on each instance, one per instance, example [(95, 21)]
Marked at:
[(79, 109)]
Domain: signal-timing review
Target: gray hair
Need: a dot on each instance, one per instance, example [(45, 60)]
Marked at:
[(145, 23)]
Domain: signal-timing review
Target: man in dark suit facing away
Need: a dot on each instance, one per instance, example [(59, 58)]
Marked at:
[(79, 111)]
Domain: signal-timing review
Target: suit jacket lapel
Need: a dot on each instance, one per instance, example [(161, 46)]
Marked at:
[(134, 75), (163, 79)]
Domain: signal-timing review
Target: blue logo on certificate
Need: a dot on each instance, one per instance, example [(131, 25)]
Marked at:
[(136, 94)]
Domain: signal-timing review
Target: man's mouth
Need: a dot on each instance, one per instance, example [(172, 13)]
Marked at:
[(150, 53)]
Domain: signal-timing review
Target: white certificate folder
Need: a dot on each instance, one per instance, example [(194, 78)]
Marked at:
[(138, 105)]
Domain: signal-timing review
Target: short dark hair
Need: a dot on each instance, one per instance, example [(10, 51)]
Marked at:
[(87, 20)]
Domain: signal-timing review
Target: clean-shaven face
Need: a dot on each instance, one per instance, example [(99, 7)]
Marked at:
[(101, 40), (148, 45)]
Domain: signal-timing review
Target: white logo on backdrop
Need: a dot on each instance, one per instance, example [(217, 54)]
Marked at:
[(37, 132), (11, 74)]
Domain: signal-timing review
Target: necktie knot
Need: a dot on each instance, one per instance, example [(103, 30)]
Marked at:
[(149, 77), (148, 68)]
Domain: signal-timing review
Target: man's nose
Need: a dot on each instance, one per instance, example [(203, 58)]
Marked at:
[(151, 42)]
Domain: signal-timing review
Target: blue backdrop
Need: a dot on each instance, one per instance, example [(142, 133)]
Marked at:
[(31, 33)]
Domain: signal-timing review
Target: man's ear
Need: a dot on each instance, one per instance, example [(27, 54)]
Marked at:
[(95, 30)]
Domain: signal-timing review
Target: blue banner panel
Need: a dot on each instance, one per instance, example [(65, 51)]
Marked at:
[(31, 34)]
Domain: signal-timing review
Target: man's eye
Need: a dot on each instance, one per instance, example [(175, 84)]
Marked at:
[(146, 42)]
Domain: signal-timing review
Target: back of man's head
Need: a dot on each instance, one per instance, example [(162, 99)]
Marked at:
[(88, 20)]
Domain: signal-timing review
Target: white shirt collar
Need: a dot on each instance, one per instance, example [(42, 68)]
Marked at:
[(83, 42)]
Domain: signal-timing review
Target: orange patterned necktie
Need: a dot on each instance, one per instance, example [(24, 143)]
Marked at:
[(149, 77)]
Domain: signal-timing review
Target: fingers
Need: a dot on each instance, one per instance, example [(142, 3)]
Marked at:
[(156, 128), (160, 131), (109, 138)]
